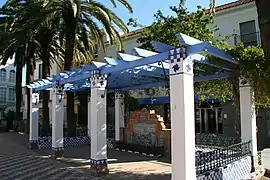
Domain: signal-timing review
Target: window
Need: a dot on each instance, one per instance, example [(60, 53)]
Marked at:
[(3, 74), (3, 95), (12, 76), (39, 71), (248, 33), (11, 94)]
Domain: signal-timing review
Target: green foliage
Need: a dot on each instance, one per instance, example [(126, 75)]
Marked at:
[(253, 68), (252, 63), (131, 103), (165, 28)]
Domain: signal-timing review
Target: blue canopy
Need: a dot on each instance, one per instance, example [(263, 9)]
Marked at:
[(142, 68)]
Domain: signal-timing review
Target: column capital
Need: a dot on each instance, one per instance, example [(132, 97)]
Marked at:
[(119, 94), (243, 83), (57, 89), (180, 62), (98, 80), (35, 98)]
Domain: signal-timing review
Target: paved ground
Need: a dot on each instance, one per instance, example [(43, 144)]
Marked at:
[(122, 165), (266, 158), (19, 163)]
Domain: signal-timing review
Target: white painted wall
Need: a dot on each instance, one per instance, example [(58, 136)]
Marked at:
[(53, 70), (129, 43), (228, 20)]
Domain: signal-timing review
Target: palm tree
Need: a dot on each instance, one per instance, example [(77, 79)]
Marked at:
[(13, 44), (264, 23), (50, 52), (79, 19), (40, 42)]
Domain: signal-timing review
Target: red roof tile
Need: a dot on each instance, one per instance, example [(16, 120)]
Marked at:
[(217, 8), (233, 4)]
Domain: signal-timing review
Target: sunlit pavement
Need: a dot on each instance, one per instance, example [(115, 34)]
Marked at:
[(122, 165), (19, 163)]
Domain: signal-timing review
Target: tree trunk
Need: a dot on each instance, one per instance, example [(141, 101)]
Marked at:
[(18, 89), (29, 78), (82, 111), (236, 103), (45, 94), (264, 23), (69, 53)]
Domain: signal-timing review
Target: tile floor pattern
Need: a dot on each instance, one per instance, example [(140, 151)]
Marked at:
[(19, 163)]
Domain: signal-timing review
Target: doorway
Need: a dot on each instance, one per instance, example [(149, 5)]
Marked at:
[(212, 123)]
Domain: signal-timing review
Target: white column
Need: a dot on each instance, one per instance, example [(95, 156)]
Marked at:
[(57, 122), (248, 117), (182, 115), (33, 132), (89, 116), (119, 114), (98, 160)]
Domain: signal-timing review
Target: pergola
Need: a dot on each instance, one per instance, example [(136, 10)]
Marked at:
[(179, 67)]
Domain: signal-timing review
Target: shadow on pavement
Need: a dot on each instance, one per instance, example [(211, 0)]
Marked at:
[(122, 165)]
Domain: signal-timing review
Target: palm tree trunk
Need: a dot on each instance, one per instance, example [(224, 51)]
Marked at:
[(45, 94), (30, 67), (18, 89), (69, 53), (264, 23), (82, 111)]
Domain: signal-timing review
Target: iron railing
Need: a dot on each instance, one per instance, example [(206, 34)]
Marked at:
[(207, 161), (215, 140), (251, 39)]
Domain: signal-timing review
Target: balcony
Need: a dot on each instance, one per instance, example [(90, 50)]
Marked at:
[(252, 39)]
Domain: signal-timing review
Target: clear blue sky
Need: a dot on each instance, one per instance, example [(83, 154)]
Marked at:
[(144, 9)]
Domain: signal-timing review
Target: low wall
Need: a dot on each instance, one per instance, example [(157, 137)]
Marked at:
[(233, 171), (46, 142), (203, 140)]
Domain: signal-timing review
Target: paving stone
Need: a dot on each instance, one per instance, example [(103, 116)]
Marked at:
[(19, 163)]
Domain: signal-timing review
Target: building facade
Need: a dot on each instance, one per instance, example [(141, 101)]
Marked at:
[(237, 21), (7, 88)]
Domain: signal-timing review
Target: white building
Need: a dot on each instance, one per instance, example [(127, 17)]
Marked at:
[(7, 88), (238, 19)]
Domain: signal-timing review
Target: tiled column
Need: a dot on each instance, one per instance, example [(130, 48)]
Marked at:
[(119, 114), (182, 115), (98, 160), (33, 132), (57, 122), (248, 118), (89, 116)]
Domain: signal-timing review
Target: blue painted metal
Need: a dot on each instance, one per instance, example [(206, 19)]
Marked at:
[(200, 59), (140, 70), (166, 100), (161, 47), (190, 41)]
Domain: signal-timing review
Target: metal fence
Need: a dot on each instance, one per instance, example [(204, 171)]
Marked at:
[(207, 161), (215, 140), (251, 39)]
